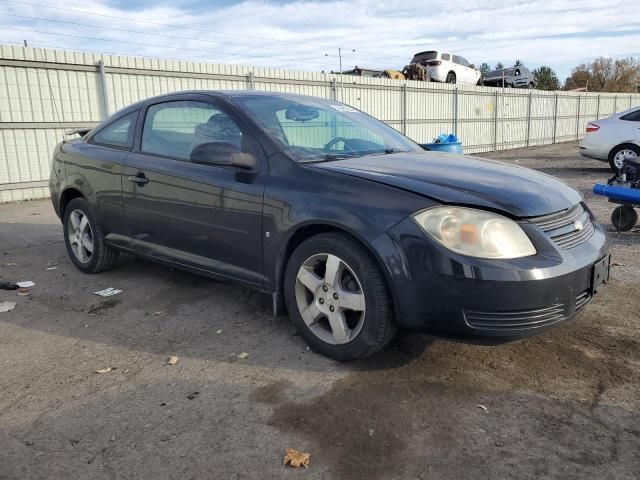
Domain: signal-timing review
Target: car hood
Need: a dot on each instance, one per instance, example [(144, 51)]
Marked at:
[(462, 180)]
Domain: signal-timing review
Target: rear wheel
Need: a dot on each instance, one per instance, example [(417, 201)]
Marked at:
[(337, 297), (451, 77), (619, 154), (84, 239), (624, 218)]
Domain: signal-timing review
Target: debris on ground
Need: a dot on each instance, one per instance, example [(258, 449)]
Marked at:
[(243, 355), (483, 407), (105, 370), (7, 306), (218, 332), (296, 459), (107, 292), (25, 284), (52, 268), (155, 314), (8, 286), (23, 292), (193, 395), (616, 264), (101, 306), (371, 432), (172, 360)]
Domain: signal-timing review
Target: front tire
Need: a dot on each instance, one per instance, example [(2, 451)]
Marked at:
[(337, 297), (84, 239), (619, 154), (624, 218)]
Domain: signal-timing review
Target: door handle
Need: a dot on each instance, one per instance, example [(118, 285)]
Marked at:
[(140, 179)]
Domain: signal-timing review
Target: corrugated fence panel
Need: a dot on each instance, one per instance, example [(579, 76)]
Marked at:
[(45, 91)]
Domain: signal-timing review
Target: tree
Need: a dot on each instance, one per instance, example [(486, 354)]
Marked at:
[(606, 75), (499, 66), (546, 78), (484, 69), (518, 63)]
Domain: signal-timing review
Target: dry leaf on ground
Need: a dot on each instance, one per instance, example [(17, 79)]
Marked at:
[(104, 370), (296, 459), (243, 355), (172, 360)]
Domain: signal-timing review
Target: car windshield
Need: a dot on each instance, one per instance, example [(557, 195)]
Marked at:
[(313, 129)]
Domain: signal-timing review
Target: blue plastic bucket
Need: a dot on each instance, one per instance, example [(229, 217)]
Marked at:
[(452, 147)]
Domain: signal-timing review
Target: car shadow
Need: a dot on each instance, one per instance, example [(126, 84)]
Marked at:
[(161, 310)]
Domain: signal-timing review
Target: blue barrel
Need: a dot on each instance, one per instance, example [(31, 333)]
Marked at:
[(631, 195), (450, 147)]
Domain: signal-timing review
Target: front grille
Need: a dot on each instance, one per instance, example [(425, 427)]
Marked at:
[(515, 319), (568, 228), (582, 300)]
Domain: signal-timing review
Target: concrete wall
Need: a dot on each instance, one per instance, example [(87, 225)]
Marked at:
[(44, 92)]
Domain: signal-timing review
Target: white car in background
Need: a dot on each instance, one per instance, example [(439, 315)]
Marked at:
[(613, 139), (447, 67)]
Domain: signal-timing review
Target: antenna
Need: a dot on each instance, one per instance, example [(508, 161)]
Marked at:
[(53, 100)]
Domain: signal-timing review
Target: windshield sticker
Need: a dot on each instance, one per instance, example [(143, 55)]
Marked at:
[(344, 108)]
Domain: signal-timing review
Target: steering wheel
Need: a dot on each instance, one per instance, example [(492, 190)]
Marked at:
[(336, 140)]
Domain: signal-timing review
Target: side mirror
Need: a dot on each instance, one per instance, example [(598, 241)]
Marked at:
[(222, 154)]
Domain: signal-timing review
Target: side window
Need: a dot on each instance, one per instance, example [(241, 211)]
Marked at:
[(118, 134), (174, 129), (445, 56), (632, 117)]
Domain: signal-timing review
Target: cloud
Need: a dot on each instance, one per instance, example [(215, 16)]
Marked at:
[(307, 34)]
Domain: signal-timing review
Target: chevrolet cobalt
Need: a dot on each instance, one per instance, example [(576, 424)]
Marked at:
[(354, 229)]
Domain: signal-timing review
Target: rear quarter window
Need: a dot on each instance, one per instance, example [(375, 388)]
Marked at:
[(118, 134)]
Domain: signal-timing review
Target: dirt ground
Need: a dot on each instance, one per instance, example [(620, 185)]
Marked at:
[(561, 405)]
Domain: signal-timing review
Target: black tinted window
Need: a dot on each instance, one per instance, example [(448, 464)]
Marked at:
[(446, 56), (632, 117), (174, 129), (119, 133)]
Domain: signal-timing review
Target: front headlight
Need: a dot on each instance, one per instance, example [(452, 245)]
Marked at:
[(475, 232)]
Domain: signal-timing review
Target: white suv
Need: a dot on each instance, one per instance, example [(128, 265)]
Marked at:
[(446, 67)]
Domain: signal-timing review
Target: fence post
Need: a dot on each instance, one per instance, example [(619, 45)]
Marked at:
[(332, 84), (615, 104), (495, 125), (598, 108), (555, 120), (251, 80), (630, 100), (104, 91), (455, 111), (404, 108), (529, 119), (578, 120)]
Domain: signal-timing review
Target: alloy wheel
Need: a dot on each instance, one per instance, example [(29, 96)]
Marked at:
[(330, 298), (623, 155), (80, 236)]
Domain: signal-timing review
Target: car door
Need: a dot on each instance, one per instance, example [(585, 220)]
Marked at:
[(631, 123), (202, 216)]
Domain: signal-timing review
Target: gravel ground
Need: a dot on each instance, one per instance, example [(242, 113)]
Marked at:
[(561, 405)]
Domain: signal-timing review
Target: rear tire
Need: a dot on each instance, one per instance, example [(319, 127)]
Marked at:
[(310, 291), (84, 239), (624, 218), (617, 155), (451, 77)]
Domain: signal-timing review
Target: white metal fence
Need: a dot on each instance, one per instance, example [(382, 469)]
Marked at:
[(45, 92)]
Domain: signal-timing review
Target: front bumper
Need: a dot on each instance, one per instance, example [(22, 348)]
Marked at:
[(488, 301)]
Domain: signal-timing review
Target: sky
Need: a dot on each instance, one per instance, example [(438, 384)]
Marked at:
[(307, 34)]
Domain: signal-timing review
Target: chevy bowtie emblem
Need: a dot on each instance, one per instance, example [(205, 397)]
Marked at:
[(578, 224)]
